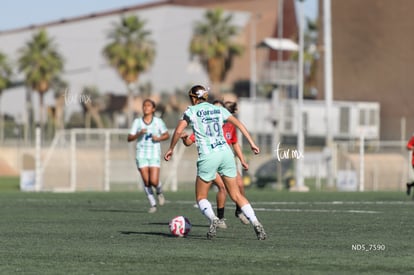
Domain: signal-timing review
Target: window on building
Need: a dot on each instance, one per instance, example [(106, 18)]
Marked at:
[(344, 120)]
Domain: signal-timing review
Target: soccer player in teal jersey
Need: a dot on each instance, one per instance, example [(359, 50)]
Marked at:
[(214, 156), (230, 134), (149, 131)]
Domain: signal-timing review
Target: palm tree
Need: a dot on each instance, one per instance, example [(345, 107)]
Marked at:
[(213, 43), (60, 87), (130, 52), (40, 61), (5, 75), (92, 106)]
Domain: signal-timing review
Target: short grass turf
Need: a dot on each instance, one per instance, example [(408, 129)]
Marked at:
[(112, 233)]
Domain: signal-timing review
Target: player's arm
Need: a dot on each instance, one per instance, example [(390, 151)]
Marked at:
[(135, 133), (238, 151), (232, 119), (163, 137), (182, 124), (410, 144), (188, 140), (132, 137)]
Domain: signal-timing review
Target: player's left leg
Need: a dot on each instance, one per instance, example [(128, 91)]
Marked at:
[(206, 173), (239, 213), (202, 188), (154, 179), (221, 201)]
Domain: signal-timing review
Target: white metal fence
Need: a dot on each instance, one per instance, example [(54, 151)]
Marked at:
[(378, 165), (103, 160)]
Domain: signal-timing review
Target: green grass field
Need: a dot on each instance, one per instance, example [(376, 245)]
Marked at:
[(112, 233)]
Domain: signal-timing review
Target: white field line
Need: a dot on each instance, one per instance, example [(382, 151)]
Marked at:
[(322, 202), (312, 203), (316, 210)]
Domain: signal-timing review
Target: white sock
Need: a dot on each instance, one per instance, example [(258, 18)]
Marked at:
[(206, 209), (150, 195), (249, 213)]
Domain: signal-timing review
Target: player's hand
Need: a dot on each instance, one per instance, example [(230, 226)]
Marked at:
[(255, 149), (168, 155), (245, 165), (184, 136)]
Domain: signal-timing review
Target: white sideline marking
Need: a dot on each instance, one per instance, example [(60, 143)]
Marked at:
[(338, 203), (323, 202), (317, 210), (305, 210)]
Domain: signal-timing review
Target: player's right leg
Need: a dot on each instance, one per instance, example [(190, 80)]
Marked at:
[(246, 208), (143, 169), (409, 186), (154, 180)]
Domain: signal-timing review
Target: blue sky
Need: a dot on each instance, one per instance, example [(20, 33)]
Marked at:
[(22, 13)]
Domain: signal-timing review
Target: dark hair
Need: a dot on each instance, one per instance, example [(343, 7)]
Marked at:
[(150, 101), (218, 102), (199, 92), (231, 106)]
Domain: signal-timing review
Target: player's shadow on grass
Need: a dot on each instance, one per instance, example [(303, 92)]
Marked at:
[(116, 211), (161, 234), (166, 224)]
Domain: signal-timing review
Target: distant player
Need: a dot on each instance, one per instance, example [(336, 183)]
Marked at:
[(410, 146), (214, 156), (149, 131)]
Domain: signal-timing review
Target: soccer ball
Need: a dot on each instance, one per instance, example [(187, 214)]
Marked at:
[(180, 226)]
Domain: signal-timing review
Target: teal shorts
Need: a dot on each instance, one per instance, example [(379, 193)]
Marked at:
[(218, 162), (147, 162)]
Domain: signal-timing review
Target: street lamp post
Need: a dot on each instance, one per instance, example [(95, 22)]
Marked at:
[(300, 185), (328, 83)]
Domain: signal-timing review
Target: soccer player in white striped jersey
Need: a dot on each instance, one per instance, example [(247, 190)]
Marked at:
[(149, 131), (214, 156)]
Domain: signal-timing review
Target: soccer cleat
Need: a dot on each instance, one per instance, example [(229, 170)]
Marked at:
[(409, 185), (222, 224), (161, 199), (243, 218), (152, 209), (213, 229), (260, 233)]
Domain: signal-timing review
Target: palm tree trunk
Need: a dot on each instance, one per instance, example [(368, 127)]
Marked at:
[(88, 119), (41, 112), (93, 113), (1, 123), (130, 103), (59, 118), (28, 119)]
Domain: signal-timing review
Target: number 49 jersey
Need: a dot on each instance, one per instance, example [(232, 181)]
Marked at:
[(207, 122)]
